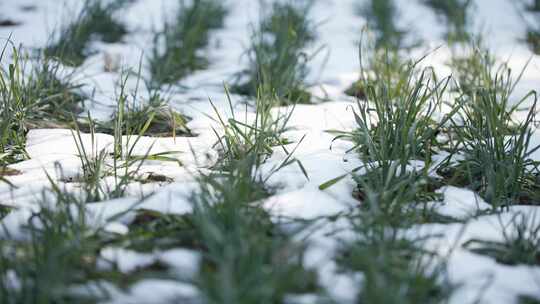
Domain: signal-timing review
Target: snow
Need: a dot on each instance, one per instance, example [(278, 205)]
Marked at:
[(461, 203), (156, 291), (331, 72)]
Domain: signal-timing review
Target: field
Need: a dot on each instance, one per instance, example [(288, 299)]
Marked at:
[(269, 151)]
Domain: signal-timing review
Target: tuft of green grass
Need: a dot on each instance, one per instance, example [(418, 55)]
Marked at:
[(96, 20), (397, 125), (243, 138), (381, 65), (277, 60), (475, 68), (521, 244), (247, 254), (395, 269), (177, 48), (256, 139), (57, 260), (528, 299), (398, 122), (60, 252), (40, 96), (151, 230), (239, 182), (397, 197), (386, 44), (162, 120), (13, 111), (95, 167), (248, 257), (381, 16), (122, 164), (456, 15), (54, 97), (495, 147)]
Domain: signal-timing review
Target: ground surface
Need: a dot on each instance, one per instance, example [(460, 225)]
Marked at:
[(331, 73)]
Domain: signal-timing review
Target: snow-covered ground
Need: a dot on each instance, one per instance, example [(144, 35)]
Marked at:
[(331, 72)]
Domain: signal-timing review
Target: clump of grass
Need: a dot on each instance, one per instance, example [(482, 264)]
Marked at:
[(94, 168), (528, 300), (395, 269), (122, 164), (398, 124), (57, 260), (241, 139), (397, 197), (381, 16), (258, 268), (236, 181), (521, 244), (456, 15), (13, 112), (247, 258), (162, 120), (60, 252), (95, 21), (385, 48), (151, 230), (177, 48), (56, 98), (35, 97), (475, 68), (382, 65), (277, 58), (495, 147)]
